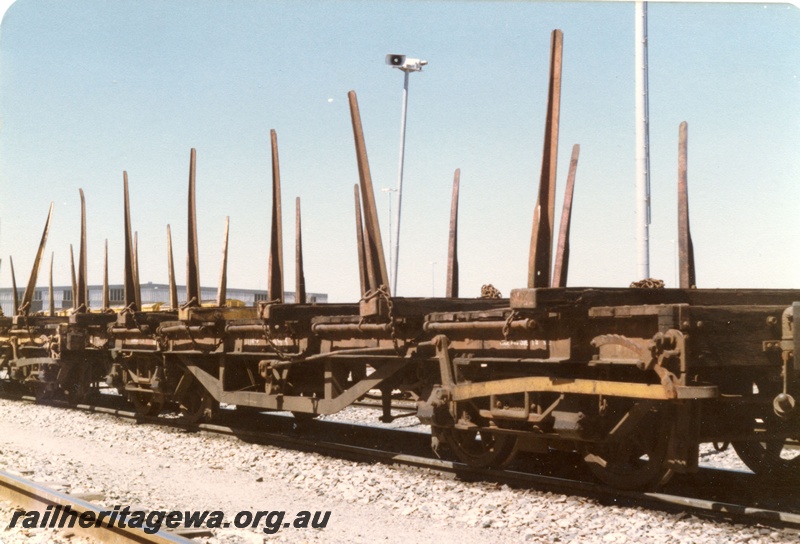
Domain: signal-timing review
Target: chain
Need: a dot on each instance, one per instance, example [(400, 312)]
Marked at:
[(490, 291), (129, 310), (382, 291), (155, 335), (268, 337), (649, 283), (191, 337), (507, 325)]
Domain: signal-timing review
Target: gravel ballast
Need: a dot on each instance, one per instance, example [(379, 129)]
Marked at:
[(167, 469)]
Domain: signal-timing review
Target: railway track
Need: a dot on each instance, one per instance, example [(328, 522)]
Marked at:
[(710, 494), (32, 496)]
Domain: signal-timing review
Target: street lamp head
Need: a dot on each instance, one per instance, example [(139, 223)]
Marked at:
[(404, 63), (395, 60)]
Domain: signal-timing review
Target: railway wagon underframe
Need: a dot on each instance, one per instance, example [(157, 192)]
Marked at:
[(600, 369), (29, 362), (270, 361), (137, 368)]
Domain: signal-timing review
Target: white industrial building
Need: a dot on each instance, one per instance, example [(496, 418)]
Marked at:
[(152, 293)]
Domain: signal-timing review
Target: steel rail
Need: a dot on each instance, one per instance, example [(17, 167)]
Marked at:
[(556, 484), (654, 500), (32, 496)]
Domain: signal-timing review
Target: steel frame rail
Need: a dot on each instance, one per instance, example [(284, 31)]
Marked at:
[(33, 496), (653, 500)]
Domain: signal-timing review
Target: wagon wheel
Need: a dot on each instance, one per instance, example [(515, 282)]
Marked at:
[(479, 448), (8, 386), (636, 461), (77, 387), (41, 384), (146, 404), (43, 392), (197, 404), (774, 459), (76, 393)]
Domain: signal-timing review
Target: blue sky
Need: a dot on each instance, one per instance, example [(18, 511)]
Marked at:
[(90, 88)]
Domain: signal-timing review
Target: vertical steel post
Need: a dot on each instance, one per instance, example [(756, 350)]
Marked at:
[(642, 145), (15, 294), (561, 267), (275, 266), (222, 289), (173, 288), (451, 289), (193, 292), (685, 247), (27, 297), (362, 251), (136, 283), (74, 281), (377, 273), (129, 285), (540, 257), (82, 295), (400, 182), (299, 272)]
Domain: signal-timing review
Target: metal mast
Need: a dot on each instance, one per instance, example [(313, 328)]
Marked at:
[(407, 65), (642, 146)]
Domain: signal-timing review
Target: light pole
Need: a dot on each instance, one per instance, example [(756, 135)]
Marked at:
[(390, 191), (433, 275), (407, 65), (642, 143)]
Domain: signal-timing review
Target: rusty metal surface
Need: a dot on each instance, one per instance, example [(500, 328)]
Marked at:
[(617, 296), (299, 273), (173, 288), (685, 247), (131, 299), (275, 271), (451, 288), (541, 250), (137, 286), (562, 250), (27, 297), (362, 250), (81, 296), (222, 290), (73, 277), (15, 294), (376, 263), (193, 296)]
